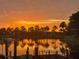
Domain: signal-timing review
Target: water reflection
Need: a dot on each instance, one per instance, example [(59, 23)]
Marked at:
[(44, 47)]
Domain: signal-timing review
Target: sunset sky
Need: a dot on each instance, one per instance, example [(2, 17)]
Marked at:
[(23, 12)]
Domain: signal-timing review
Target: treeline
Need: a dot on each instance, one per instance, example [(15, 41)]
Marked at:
[(22, 32)]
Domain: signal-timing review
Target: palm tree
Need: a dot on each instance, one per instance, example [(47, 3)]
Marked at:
[(16, 33), (63, 26), (31, 29), (23, 32), (23, 29), (54, 28), (44, 29), (3, 32), (34, 31), (9, 32), (36, 28)]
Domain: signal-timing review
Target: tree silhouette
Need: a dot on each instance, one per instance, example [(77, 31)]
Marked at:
[(73, 26), (36, 28), (23, 32), (16, 33), (3, 33), (23, 29), (44, 29), (9, 31), (54, 28), (63, 26), (31, 29)]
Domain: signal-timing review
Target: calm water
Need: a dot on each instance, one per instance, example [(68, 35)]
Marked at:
[(22, 47)]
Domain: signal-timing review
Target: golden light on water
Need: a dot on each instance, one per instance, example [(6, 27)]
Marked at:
[(44, 45)]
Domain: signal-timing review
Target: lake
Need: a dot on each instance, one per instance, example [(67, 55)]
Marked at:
[(44, 46)]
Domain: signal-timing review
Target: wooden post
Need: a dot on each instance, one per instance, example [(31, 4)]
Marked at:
[(27, 53), (2, 46), (6, 48), (56, 55), (15, 49), (10, 55), (36, 51)]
